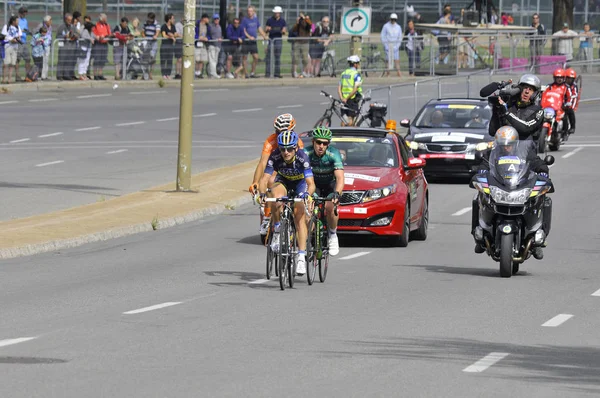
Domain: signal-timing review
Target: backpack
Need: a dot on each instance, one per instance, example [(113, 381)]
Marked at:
[(33, 74)]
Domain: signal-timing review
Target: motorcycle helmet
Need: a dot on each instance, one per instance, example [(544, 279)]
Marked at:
[(571, 75), (287, 139), (532, 81), (284, 122), (559, 76), (505, 139)]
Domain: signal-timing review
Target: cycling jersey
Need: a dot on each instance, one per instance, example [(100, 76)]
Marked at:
[(323, 167), (271, 144), (292, 175)]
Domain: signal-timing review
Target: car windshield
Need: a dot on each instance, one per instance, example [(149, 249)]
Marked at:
[(508, 163), (463, 116), (367, 152)]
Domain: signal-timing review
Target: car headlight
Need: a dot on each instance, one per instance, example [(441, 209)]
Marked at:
[(480, 147), (379, 193), (416, 145), (549, 113), (510, 198)]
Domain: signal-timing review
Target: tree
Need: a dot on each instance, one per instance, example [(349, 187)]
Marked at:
[(562, 11), (75, 5)]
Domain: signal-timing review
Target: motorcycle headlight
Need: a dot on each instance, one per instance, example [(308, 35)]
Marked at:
[(416, 145), (379, 193), (510, 198), (549, 113)]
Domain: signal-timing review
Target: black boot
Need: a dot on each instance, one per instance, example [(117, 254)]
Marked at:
[(538, 253), (479, 248)]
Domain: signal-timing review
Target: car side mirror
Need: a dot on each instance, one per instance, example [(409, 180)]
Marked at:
[(405, 123), (549, 160), (416, 163)]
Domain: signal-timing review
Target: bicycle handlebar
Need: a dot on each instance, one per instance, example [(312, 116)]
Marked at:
[(283, 199), (319, 199)]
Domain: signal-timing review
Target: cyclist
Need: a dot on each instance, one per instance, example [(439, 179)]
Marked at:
[(573, 96), (293, 172), (328, 170), (282, 123), (350, 88)]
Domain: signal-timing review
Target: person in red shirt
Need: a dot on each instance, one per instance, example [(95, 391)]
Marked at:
[(100, 50)]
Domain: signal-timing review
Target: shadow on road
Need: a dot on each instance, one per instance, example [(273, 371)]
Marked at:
[(243, 279), (61, 187), (30, 361), (251, 240), (485, 271), (575, 367)]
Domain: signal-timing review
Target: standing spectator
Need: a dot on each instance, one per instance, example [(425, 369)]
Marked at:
[(276, 27), (67, 49), (102, 36), (252, 28), (47, 23), (24, 53), (2, 43), (536, 45), (85, 50), (565, 41), (88, 19), (322, 34), (414, 46), (167, 46), (134, 28), (303, 29), (586, 45), (122, 35), (39, 42), (12, 36), (151, 32), (448, 9), (443, 38), (215, 35), (77, 21), (235, 35), (201, 51), (179, 49), (391, 37)]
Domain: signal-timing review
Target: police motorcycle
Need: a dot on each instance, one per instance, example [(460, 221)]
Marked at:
[(511, 202)]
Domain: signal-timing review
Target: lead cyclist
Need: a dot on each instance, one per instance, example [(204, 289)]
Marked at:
[(328, 171), (283, 122)]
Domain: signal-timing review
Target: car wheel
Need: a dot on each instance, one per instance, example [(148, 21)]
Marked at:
[(402, 240), (421, 233)]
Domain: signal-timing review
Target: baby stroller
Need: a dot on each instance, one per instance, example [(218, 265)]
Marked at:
[(138, 59)]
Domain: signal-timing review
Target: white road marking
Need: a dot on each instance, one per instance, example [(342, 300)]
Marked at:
[(167, 119), (485, 362), (128, 124), (4, 343), (580, 145), (205, 115), (557, 320), (117, 151), (283, 88), (462, 211), (596, 293), (247, 110), (258, 281), (49, 135), (43, 100), (147, 92), (8, 102), (89, 128), (21, 140), (573, 152), (290, 106), (94, 96), (355, 255), (152, 308), (49, 163), (590, 100), (325, 103), (210, 90)]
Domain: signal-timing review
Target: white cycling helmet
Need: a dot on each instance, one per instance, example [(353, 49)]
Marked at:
[(394, 16), (355, 59)]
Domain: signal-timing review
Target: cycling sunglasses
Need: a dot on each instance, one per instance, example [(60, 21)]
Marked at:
[(287, 148), (324, 143)]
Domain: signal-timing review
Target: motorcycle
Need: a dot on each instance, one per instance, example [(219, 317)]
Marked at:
[(553, 132), (511, 202)]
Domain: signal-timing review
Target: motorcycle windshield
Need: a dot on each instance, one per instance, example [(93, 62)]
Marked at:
[(508, 163)]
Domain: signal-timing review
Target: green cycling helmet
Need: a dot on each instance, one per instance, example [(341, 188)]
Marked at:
[(322, 132)]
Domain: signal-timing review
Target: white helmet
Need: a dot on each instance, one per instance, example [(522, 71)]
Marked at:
[(355, 59), (277, 9), (394, 16)]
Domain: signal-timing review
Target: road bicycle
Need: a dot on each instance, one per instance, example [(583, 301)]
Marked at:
[(336, 107), (317, 246), (272, 258)]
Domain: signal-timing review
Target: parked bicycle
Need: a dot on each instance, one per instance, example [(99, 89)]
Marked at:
[(374, 117), (317, 246), (373, 61)]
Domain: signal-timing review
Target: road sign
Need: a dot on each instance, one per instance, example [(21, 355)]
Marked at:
[(356, 21)]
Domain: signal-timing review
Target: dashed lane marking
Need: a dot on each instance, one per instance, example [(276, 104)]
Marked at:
[(573, 152), (117, 151), (152, 308), (7, 342), (49, 163), (557, 320), (49, 135), (355, 255), (462, 211), (89, 128), (129, 124), (21, 140), (485, 362)]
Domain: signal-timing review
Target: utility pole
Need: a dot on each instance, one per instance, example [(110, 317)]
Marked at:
[(355, 43), (186, 107)]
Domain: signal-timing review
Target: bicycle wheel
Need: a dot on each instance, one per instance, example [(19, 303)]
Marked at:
[(324, 261), (292, 245), (312, 248), (328, 67), (283, 253), (324, 121), (270, 258)]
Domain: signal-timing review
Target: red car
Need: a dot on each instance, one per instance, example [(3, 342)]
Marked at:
[(385, 191)]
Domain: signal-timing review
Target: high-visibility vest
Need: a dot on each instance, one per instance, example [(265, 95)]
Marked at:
[(347, 82)]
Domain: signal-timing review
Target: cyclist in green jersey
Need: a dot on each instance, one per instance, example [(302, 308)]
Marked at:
[(328, 172)]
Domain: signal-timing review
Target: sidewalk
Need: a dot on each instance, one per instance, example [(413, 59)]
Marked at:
[(215, 191)]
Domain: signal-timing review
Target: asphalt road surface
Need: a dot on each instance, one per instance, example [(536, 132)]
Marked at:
[(186, 311)]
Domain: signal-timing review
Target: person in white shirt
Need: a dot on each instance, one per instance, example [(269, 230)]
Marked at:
[(565, 41), (391, 37), (13, 34)]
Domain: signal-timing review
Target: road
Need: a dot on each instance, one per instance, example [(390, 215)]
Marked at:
[(186, 312)]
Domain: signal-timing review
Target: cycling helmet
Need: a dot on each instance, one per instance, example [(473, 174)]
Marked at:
[(531, 80), (322, 132), (506, 135), (353, 59), (284, 122), (571, 73), (287, 138)]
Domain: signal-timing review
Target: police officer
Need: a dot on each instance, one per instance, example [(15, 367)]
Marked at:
[(350, 88)]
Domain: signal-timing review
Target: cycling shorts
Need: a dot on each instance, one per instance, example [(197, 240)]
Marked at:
[(297, 186)]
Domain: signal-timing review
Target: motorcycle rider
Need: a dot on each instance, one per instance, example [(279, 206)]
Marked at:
[(573, 98), (505, 139), (559, 85)]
